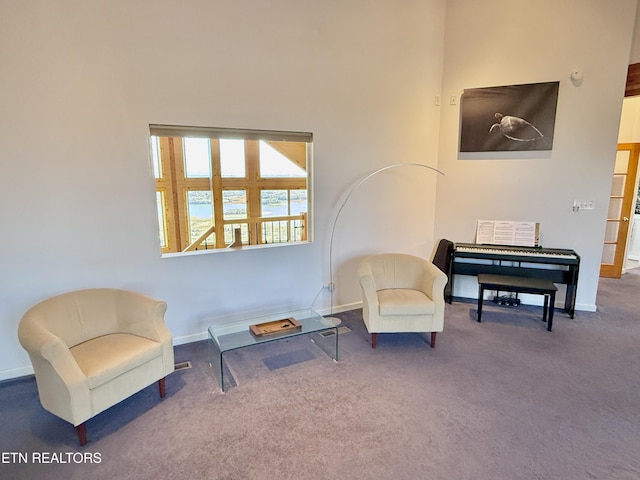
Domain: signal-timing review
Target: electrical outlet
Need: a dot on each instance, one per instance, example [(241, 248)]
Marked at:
[(583, 205), (329, 286)]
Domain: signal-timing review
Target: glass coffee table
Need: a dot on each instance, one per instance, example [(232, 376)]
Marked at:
[(225, 337)]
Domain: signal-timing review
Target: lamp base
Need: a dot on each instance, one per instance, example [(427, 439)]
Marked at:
[(335, 320)]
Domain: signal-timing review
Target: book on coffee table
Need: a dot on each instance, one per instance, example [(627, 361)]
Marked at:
[(274, 327)]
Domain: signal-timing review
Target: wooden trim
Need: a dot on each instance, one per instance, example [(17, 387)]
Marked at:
[(632, 87), (216, 187), (252, 156), (173, 202)]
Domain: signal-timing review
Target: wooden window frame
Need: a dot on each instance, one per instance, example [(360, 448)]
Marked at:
[(175, 185)]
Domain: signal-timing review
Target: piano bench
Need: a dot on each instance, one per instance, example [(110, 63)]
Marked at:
[(507, 283)]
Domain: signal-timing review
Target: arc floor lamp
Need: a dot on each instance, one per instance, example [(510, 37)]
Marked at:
[(347, 197)]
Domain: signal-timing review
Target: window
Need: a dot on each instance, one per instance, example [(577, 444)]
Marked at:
[(219, 188)]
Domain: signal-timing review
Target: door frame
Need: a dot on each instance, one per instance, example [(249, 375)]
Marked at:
[(628, 197)]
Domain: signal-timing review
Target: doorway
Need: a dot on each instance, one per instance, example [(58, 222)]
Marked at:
[(622, 204)]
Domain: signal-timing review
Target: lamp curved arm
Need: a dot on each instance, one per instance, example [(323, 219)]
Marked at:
[(346, 200)]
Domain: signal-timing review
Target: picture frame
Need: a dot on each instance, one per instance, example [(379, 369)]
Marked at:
[(509, 118)]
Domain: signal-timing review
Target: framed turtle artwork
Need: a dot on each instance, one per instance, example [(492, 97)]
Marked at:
[(508, 118)]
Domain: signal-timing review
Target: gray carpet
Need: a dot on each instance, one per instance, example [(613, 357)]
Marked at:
[(504, 399)]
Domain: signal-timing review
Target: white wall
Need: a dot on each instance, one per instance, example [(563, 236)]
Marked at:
[(634, 57), (81, 81), (506, 42)]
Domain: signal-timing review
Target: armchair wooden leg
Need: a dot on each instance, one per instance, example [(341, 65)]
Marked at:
[(82, 434), (162, 388), (373, 340), (433, 339)]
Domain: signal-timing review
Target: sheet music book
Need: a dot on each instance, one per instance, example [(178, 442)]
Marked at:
[(502, 232)]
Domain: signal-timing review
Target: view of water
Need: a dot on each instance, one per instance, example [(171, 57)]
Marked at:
[(203, 210)]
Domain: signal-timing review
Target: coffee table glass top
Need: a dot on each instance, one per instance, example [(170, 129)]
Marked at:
[(237, 334), (232, 335)]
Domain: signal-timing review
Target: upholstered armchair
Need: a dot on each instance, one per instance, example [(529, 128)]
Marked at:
[(91, 349), (401, 293)]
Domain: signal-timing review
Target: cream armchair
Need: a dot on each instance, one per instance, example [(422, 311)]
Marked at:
[(401, 293), (91, 349)]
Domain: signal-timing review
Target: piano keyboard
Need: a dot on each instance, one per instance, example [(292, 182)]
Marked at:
[(519, 251)]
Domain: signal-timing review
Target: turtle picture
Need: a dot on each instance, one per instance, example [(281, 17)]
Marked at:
[(508, 118), (516, 129)]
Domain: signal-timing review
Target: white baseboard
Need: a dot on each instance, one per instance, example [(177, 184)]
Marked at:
[(194, 337), (15, 373), (582, 307), (340, 308)]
